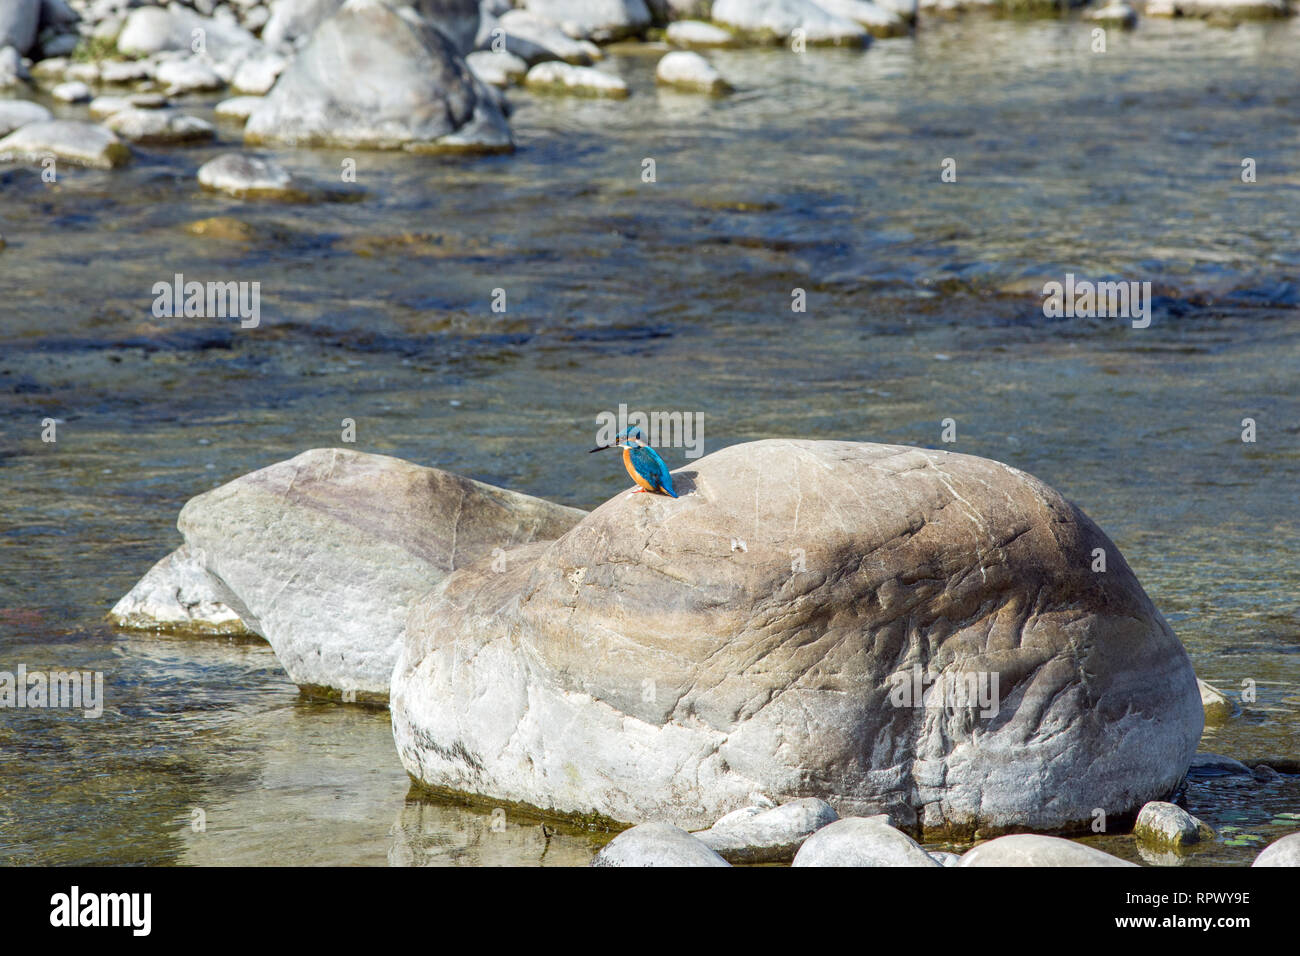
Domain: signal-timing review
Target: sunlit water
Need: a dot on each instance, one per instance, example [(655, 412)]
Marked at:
[(820, 173)]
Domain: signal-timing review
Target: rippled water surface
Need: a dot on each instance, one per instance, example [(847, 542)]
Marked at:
[(822, 173)]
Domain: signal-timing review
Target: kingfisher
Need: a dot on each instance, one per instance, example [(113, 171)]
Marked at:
[(642, 462)]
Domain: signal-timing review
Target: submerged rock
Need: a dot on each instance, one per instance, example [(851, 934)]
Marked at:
[(1030, 849), (81, 144), (657, 844), (419, 92), (1281, 852), (1216, 765), (684, 70), (763, 834), (323, 554), (862, 841), (667, 657), (555, 77), (178, 594), (1216, 704), (17, 113), (1165, 824)]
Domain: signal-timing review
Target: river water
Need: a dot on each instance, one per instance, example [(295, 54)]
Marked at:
[(822, 173)]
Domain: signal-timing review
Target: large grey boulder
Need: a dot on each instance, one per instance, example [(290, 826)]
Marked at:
[(323, 554), (1281, 852), (862, 841), (667, 657), (418, 92), (69, 141), (178, 594), (1032, 849), (767, 834), (19, 20), (599, 20), (656, 844)]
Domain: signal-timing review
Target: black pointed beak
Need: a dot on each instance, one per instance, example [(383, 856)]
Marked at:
[(600, 448)]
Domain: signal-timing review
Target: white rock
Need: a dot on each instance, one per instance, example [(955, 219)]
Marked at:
[(878, 20), (1218, 707), (533, 40), (247, 176), (1281, 852), (122, 72), (1160, 823), (13, 72), (556, 77), (1031, 849), (102, 107), (1115, 12), (778, 19), (82, 72), (16, 113), (237, 107), (757, 834), (160, 126), (698, 33), (322, 554), (82, 144), (862, 841), (154, 30), (74, 91), (258, 73), (499, 69), (944, 858), (599, 20), (685, 70), (178, 594), (188, 76), (657, 844)]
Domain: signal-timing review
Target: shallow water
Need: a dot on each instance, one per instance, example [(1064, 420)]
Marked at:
[(821, 172)]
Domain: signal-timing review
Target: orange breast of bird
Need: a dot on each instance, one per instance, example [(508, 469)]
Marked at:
[(627, 463)]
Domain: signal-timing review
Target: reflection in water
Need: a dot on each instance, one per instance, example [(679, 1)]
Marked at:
[(821, 173)]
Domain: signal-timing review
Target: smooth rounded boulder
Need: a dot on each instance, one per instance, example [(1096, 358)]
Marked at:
[(657, 844), (419, 92), (1033, 849), (890, 629), (323, 554), (862, 841)]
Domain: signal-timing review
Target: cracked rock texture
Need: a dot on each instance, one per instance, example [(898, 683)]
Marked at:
[(323, 554), (666, 658)]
